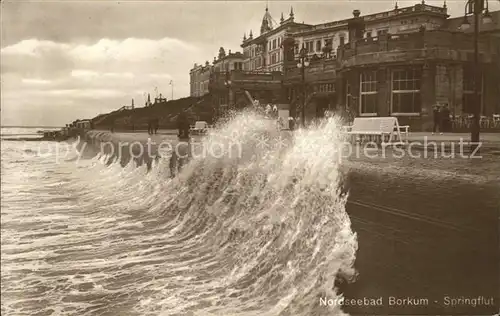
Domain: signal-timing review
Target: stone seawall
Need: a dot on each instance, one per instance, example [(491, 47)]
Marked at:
[(140, 147)]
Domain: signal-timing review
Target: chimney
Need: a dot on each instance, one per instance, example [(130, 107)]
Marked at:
[(229, 52)]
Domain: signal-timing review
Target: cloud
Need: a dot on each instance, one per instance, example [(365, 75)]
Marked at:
[(95, 75), (83, 93), (161, 76), (131, 49), (82, 73), (104, 75), (32, 81), (34, 47)]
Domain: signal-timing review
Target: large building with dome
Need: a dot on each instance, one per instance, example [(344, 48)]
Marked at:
[(399, 62)]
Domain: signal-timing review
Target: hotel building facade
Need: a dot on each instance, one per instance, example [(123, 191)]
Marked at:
[(399, 63)]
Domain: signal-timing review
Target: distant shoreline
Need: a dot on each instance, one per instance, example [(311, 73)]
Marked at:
[(20, 126)]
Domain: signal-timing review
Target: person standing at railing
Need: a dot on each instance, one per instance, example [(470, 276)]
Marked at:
[(290, 123), (445, 119), (437, 119)]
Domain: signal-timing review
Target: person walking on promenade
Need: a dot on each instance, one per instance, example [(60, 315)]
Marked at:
[(445, 119), (182, 154), (268, 110), (437, 119), (183, 125), (150, 127), (157, 125)]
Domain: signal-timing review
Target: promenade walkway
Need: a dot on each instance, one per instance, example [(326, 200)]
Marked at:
[(418, 140), (453, 137), (413, 136)]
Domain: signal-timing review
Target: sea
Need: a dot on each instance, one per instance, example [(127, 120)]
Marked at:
[(265, 233)]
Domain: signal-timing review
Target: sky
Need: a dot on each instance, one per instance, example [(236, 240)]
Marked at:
[(61, 61)]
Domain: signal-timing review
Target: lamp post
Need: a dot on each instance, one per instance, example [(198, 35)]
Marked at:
[(302, 63), (476, 8), (172, 88), (227, 83)]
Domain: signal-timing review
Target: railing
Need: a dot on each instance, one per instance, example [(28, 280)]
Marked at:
[(417, 7), (126, 107), (319, 68), (324, 26), (465, 121), (241, 75), (418, 40)]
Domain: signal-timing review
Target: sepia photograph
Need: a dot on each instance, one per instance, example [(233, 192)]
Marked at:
[(250, 158)]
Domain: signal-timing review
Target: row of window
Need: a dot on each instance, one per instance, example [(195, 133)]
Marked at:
[(229, 66), (412, 21), (379, 33), (326, 87), (199, 88), (238, 66), (254, 64), (315, 46), (405, 92), (275, 58), (275, 43), (252, 52)]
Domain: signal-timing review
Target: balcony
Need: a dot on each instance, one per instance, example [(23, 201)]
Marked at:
[(452, 46), (255, 76), (246, 79), (318, 70), (407, 10)]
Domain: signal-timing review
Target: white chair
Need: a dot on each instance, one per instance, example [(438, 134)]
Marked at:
[(496, 120), (484, 121), (385, 127)]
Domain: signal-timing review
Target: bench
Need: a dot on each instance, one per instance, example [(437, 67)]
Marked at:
[(200, 127), (383, 127)]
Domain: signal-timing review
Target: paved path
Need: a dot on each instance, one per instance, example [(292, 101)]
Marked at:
[(423, 238), (453, 137), (487, 137)]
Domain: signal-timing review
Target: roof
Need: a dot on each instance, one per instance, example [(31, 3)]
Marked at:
[(370, 18), (268, 22), (231, 55), (274, 31)]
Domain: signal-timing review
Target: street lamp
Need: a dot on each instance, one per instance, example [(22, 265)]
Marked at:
[(476, 7), (227, 83), (302, 63)]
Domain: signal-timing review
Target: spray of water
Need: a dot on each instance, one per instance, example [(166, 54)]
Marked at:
[(262, 232)]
